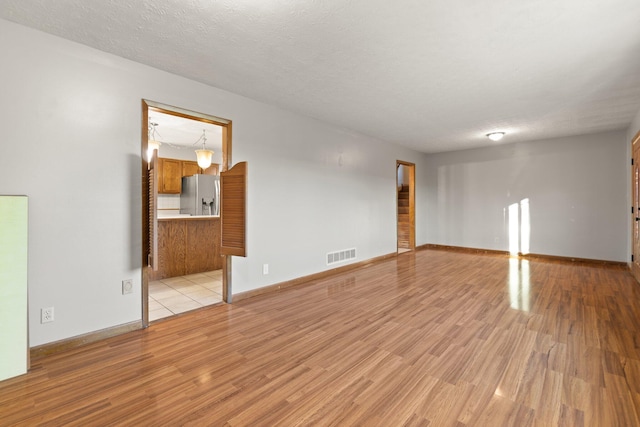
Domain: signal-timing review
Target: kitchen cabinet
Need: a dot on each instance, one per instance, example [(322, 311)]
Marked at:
[(214, 169), (171, 171), (187, 246), (190, 168), (169, 176)]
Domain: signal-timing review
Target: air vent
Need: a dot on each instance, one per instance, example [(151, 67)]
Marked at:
[(341, 256)]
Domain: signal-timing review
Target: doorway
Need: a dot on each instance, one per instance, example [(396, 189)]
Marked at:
[(150, 181), (405, 200), (635, 208)]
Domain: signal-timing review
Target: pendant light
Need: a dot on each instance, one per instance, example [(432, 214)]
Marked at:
[(203, 155), (152, 143)]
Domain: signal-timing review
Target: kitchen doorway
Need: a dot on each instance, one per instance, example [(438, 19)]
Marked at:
[(155, 173), (405, 200)]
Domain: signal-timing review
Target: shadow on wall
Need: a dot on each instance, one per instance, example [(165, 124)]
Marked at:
[(134, 243)]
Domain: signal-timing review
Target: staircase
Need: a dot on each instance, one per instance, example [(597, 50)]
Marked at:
[(404, 223)]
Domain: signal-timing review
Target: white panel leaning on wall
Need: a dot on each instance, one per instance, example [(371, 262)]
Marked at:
[(13, 286)]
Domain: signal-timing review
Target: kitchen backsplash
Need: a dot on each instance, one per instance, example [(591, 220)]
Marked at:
[(168, 204)]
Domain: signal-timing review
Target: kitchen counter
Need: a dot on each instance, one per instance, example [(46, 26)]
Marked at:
[(188, 217), (187, 245)]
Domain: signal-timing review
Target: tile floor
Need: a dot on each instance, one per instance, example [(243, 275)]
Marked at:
[(179, 294)]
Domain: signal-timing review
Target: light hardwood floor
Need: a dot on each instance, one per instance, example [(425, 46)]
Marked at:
[(431, 338)]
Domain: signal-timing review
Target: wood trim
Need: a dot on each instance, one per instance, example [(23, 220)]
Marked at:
[(412, 202), (146, 239), (315, 276), (462, 249), (80, 340), (634, 264), (635, 270), (226, 260), (187, 114), (226, 147), (585, 261), (478, 251)]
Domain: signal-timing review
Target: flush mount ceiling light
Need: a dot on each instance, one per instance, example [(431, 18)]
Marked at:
[(203, 155), (495, 136)]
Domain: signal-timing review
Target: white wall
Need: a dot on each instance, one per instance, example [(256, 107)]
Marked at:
[(576, 188), (71, 141), (634, 128), (403, 175)]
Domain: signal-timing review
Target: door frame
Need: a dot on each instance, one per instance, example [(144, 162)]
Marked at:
[(225, 124), (412, 203), (635, 206)]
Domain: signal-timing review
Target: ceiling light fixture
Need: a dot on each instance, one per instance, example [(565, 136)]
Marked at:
[(496, 136), (203, 155)]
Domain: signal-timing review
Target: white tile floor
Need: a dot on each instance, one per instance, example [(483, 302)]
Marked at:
[(179, 294)]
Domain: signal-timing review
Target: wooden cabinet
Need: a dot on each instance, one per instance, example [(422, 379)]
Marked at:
[(190, 168), (171, 171), (214, 169), (203, 246), (169, 176), (187, 246)]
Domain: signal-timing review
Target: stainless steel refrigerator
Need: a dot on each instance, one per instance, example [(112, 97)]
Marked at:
[(200, 195)]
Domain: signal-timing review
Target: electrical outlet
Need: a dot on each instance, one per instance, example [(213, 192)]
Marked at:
[(265, 269), (46, 315), (127, 286)]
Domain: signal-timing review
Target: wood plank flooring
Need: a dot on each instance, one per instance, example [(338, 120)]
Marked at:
[(431, 338)]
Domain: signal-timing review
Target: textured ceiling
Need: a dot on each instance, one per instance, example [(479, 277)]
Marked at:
[(433, 75)]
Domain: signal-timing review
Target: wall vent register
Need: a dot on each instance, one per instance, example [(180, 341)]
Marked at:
[(340, 256)]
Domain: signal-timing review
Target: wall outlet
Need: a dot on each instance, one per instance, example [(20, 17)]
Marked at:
[(127, 286), (46, 315), (265, 269)]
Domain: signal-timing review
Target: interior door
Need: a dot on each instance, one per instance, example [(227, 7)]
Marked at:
[(233, 195), (635, 209), (152, 254)]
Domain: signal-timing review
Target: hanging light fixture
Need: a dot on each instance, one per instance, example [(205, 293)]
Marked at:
[(203, 155), (152, 143)]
